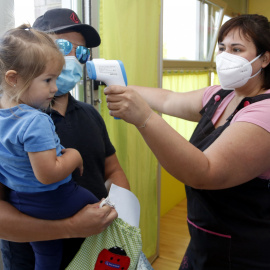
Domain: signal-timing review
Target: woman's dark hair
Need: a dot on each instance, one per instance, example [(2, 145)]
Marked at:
[(254, 28)]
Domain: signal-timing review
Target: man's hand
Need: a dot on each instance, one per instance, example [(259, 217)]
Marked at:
[(90, 220)]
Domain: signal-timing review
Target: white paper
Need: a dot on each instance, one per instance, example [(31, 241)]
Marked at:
[(126, 204)]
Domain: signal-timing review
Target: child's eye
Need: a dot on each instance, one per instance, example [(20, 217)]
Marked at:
[(48, 80)]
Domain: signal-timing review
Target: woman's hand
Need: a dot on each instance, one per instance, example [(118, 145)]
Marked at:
[(125, 103)]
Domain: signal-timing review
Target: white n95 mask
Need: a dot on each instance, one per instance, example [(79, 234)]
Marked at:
[(234, 71)]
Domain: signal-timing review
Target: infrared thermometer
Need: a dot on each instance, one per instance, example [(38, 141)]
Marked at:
[(110, 72)]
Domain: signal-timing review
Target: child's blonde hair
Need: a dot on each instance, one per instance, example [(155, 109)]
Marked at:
[(27, 51)]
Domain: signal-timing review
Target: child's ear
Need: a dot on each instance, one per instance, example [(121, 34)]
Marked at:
[(11, 77)]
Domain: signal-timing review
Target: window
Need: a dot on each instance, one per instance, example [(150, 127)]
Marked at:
[(28, 10), (225, 19), (24, 12), (190, 32), (179, 29)]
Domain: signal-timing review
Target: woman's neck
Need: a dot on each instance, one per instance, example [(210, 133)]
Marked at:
[(251, 89)]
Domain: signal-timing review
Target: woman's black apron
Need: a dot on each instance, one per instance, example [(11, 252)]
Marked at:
[(229, 228)]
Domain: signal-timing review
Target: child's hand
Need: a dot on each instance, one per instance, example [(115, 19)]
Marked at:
[(77, 157), (81, 168)]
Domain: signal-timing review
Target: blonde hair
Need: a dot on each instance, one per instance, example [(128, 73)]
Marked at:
[(27, 51)]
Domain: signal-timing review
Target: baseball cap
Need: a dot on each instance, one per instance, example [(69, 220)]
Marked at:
[(62, 20)]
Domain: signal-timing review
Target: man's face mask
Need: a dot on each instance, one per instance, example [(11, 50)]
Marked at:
[(70, 75), (234, 71)]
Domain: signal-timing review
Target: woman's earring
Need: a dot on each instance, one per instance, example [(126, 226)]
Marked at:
[(14, 85)]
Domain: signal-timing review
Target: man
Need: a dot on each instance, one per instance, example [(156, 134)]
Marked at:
[(78, 126)]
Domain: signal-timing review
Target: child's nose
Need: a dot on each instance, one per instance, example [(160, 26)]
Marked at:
[(54, 88)]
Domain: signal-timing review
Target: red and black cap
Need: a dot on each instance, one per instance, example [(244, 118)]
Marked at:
[(62, 20)]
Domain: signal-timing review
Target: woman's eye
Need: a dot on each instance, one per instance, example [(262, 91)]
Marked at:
[(236, 50), (221, 49)]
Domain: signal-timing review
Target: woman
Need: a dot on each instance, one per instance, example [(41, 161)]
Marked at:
[(226, 164)]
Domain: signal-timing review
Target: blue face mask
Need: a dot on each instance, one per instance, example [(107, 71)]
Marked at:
[(70, 75)]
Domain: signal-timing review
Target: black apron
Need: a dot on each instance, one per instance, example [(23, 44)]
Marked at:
[(229, 228)]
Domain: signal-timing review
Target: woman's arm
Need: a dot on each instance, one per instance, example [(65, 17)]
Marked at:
[(183, 105), (18, 227), (240, 154)]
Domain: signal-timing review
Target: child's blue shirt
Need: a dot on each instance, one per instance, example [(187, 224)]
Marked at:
[(24, 129)]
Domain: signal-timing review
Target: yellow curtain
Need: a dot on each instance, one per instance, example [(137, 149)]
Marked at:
[(183, 81), (173, 191), (215, 79), (129, 32)]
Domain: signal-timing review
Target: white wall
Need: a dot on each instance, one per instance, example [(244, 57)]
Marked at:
[(6, 15), (6, 22)]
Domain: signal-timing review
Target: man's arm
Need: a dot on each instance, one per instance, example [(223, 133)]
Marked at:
[(114, 173), (18, 227)]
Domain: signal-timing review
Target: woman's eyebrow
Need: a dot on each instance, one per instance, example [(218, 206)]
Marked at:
[(232, 44), (237, 44)]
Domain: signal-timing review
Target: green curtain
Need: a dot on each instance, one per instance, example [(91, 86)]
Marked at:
[(183, 81), (129, 32)]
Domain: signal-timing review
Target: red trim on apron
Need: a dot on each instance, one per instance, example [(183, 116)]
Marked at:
[(207, 231)]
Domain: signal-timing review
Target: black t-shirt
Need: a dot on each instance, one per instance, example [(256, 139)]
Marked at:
[(83, 128)]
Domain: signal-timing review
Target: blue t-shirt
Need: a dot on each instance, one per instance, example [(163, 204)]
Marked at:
[(24, 129)]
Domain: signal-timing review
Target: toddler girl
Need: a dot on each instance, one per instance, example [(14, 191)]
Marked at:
[(33, 164)]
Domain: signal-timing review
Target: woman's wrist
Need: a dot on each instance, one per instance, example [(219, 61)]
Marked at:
[(145, 122)]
